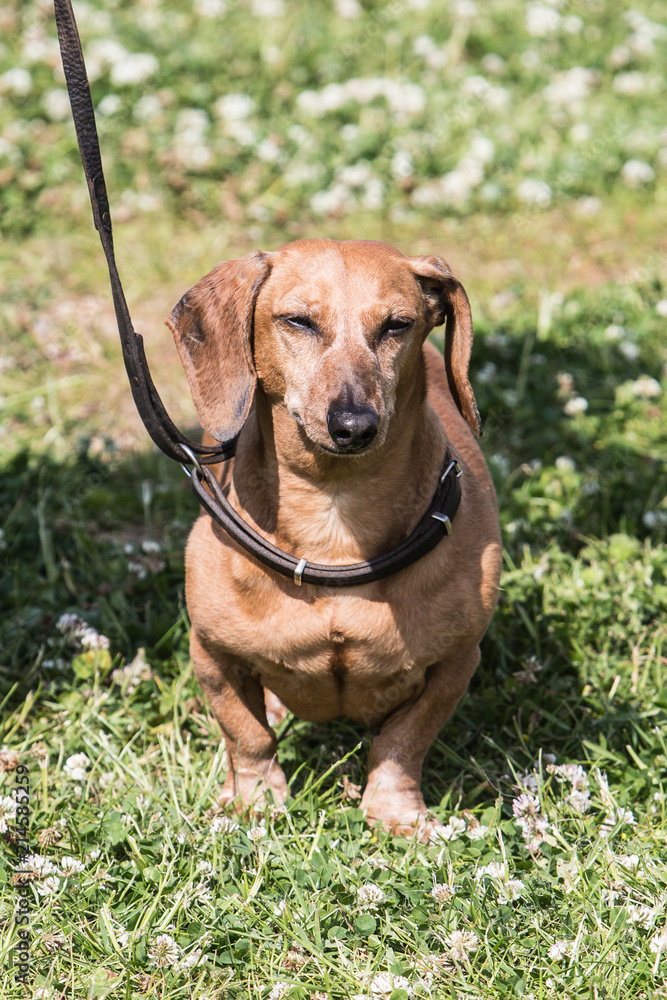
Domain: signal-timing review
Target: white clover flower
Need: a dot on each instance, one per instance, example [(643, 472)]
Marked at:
[(495, 869), (385, 983), (442, 893), (39, 864), (279, 990), (7, 812), (576, 405), (450, 831), (42, 993), (373, 194), (455, 189), (75, 766), (256, 833), (479, 832), (574, 773), (534, 192), (16, 81), (629, 350), (482, 148), (541, 20), (71, 866), (56, 104), (402, 164), (369, 895), (404, 97), (189, 961), (337, 198), (70, 624), (655, 519), (268, 8), (433, 56), (616, 817), (91, 639), (572, 85), (164, 951), (619, 57), (269, 151), (355, 175), (223, 824), (348, 10), (641, 914), (588, 206), (48, 886), (579, 800), (659, 943), (529, 781), (560, 949), (573, 24), (147, 109), (636, 172), (630, 84), (610, 896), (205, 867), (630, 861), (210, 8), (134, 68), (460, 944), (510, 890), (661, 308), (234, 107), (646, 387), (94, 854), (533, 824), (148, 545), (526, 805), (580, 132)]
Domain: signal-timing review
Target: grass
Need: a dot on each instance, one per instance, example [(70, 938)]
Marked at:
[(551, 778)]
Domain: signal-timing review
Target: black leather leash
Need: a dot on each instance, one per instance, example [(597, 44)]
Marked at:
[(436, 522), (151, 409)]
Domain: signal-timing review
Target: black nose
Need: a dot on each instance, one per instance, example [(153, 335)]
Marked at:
[(352, 430)]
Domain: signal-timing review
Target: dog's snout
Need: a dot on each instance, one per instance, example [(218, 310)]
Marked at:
[(352, 429)]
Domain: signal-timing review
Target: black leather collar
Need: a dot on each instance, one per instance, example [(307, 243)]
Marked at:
[(434, 525)]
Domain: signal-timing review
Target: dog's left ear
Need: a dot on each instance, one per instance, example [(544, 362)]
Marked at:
[(212, 328), (446, 300)]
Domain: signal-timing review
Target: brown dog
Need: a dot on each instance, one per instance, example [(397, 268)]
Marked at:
[(337, 461)]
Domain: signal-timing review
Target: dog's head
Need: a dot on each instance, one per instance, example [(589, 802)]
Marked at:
[(332, 330)]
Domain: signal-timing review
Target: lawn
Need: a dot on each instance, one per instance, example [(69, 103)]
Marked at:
[(526, 143)]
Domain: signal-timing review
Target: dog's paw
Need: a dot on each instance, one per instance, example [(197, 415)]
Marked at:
[(422, 828), (248, 789), (394, 800)]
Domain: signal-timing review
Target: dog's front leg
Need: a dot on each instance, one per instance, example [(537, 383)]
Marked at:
[(237, 701), (393, 793)]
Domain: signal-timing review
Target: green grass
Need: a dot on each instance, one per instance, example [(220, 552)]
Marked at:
[(567, 306)]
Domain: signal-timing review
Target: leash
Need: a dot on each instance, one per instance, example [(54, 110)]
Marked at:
[(434, 525), (151, 409)]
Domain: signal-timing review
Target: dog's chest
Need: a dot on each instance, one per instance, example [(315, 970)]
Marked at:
[(330, 656), (339, 660)]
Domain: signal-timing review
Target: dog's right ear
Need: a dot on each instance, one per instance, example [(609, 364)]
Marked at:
[(212, 328)]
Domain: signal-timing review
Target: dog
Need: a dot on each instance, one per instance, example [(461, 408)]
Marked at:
[(316, 355)]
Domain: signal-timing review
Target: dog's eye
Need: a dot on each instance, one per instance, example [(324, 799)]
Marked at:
[(299, 323), (395, 325)]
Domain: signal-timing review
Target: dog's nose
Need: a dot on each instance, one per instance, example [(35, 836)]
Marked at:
[(352, 430)]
